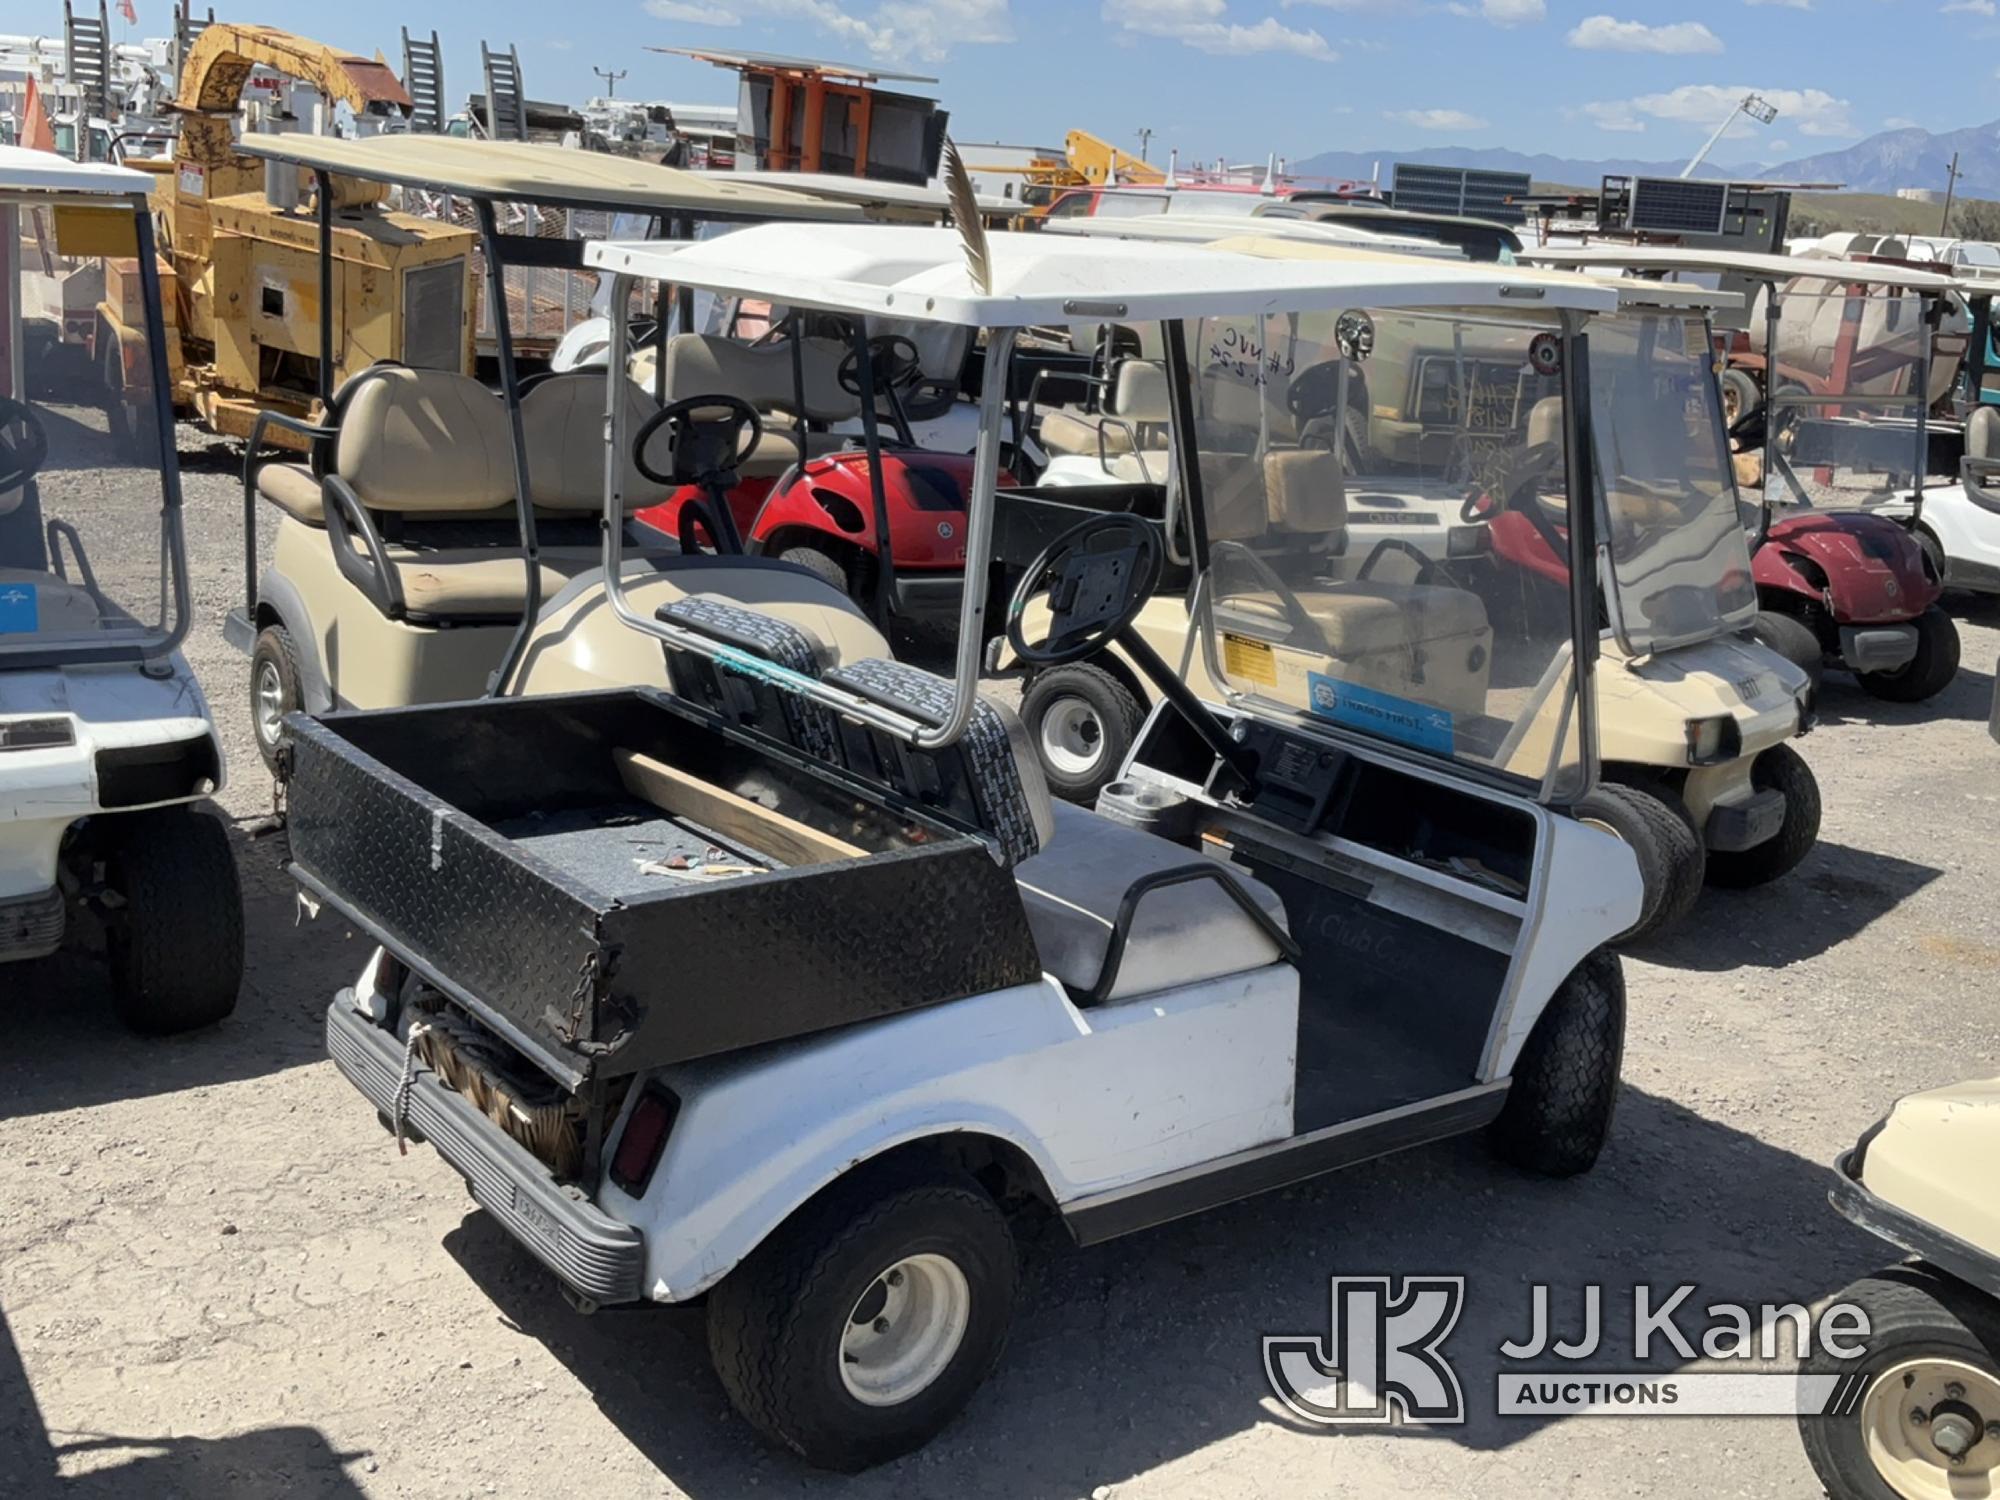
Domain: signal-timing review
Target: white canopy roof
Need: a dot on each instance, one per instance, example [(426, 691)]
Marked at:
[(869, 193), (26, 171), (1197, 229), (1613, 257), (1045, 278)]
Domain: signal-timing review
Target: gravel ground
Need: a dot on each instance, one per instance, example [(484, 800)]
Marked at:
[(218, 1278)]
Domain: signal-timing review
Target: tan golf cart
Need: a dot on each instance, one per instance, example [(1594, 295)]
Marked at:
[(1693, 718), (435, 521), (1917, 1415)]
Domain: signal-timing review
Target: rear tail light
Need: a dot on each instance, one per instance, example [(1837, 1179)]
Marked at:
[(645, 1137)]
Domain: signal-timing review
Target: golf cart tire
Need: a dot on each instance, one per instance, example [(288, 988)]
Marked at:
[(1565, 1088), (1783, 769), (1792, 639), (1913, 1311), (775, 1323), (274, 649), (1929, 672), (176, 943), (1740, 386), (823, 564), (1119, 715), (1672, 861)]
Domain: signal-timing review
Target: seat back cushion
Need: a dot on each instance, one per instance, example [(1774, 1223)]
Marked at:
[(562, 420), (993, 765), (1180, 934), (1982, 433), (1233, 501), (746, 698), (1545, 421), (1140, 393), (1304, 490), (424, 440), (701, 364)]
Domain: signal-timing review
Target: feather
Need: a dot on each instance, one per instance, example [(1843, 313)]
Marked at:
[(965, 216)]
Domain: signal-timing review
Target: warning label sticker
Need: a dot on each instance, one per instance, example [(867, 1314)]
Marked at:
[(1249, 659)]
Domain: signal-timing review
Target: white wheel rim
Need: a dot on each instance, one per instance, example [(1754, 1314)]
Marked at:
[(1918, 1413), (904, 1330), (1072, 737), (270, 693)]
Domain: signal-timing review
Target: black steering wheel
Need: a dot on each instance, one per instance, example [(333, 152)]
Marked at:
[(893, 361), (708, 436), (1313, 391), (1529, 468), (1099, 575), (21, 456)]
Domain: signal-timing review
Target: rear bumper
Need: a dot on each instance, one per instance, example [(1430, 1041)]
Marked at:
[(597, 1256), (32, 926), (1877, 648), (1735, 826)]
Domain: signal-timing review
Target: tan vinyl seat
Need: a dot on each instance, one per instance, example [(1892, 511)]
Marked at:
[(562, 427), (1138, 406), (466, 582), (700, 364), (294, 489), (424, 441)]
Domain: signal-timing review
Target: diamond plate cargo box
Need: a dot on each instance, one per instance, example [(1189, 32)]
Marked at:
[(617, 880)]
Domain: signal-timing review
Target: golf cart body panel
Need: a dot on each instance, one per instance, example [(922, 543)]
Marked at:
[(756, 1136), (1931, 1157)]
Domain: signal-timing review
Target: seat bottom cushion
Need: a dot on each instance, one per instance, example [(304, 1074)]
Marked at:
[(1357, 618), (1182, 934), (485, 582), (1077, 433)]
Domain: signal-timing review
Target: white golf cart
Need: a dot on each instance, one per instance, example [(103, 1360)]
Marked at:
[(1693, 719), (783, 989), (106, 749)]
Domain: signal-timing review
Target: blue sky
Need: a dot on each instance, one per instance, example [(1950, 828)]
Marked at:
[(1583, 78)]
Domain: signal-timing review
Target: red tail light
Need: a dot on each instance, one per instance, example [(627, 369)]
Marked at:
[(644, 1139)]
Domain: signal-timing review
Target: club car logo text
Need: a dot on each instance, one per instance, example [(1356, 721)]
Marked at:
[(1383, 1356)]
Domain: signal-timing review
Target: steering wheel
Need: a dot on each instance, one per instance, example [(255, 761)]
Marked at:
[(708, 437), (1530, 466), (892, 359), (21, 457), (1099, 575), (1312, 391)]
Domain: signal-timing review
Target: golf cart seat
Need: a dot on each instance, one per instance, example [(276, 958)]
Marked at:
[(704, 364), (1076, 889), (743, 696), (1135, 415)]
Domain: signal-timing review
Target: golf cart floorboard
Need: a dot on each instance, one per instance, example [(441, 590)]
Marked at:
[(1352, 1065), (520, 855)]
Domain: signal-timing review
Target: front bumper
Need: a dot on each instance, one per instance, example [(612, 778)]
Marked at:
[(1877, 648), (600, 1258), (1735, 826), (1970, 1264)]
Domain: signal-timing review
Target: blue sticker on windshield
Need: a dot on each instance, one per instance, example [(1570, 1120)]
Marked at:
[(18, 612), (1403, 720)]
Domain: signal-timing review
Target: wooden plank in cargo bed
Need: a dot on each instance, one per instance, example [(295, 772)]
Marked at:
[(676, 792)]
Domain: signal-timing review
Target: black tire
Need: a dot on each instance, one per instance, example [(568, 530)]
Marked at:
[(1783, 769), (274, 669), (775, 1323), (1742, 392), (1792, 639), (1565, 1086), (1933, 551), (1093, 714), (825, 564), (1669, 850), (176, 939), (1926, 674), (1914, 1314)]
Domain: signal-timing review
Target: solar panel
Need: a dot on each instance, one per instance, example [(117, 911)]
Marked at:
[(1674, 205), (1460, 190)]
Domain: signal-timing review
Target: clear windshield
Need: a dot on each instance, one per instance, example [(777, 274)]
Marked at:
[(1853, 375), (1680, 561), (1312, 427), (86, 556)]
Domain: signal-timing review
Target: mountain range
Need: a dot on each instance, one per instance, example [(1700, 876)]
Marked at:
[(1882, 163)]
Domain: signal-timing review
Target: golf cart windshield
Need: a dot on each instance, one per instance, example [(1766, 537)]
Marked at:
[(1680, 562), (91, 566), (1301, 419), (1849, 388)]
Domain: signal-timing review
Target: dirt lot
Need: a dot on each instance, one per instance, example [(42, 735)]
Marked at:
[(218, 1278)]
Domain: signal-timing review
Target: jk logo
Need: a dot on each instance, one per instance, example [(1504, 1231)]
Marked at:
[(1380, 1355)]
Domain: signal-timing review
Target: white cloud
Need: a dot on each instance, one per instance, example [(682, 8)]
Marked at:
[(1436, 119), (1811, 112), (1606, 34), (1968, 8), (1502, 12), (1787, 4), (693, 14), (1203, 25), (894, 30)]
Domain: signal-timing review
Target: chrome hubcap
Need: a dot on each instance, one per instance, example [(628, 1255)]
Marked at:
[(904, 1330), (268, 692), (1072, 737)]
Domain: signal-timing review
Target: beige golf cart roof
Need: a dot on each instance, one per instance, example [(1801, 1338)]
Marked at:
[(535, 172), (1630, 293), (1742, 263), (1045, 278), (882, 199)]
